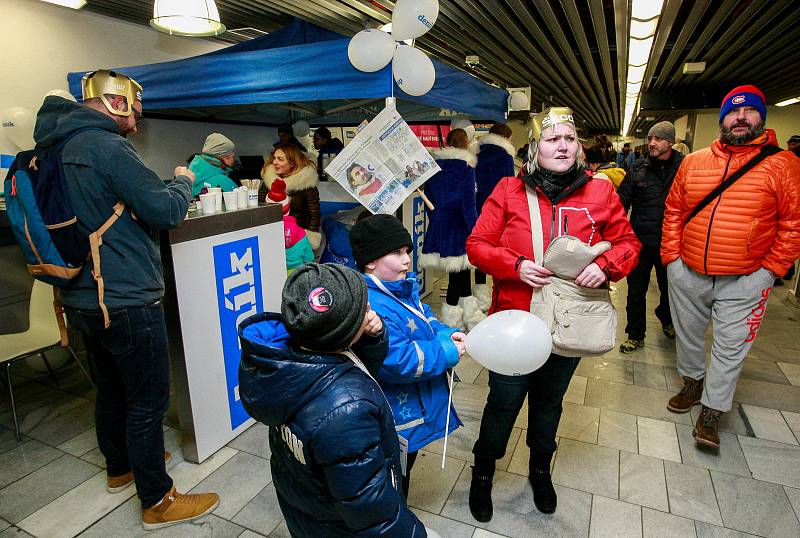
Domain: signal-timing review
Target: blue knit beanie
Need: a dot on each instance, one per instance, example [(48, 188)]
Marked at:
[(747, 95)]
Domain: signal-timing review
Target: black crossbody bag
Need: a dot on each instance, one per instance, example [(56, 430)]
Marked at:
[(765, 152)]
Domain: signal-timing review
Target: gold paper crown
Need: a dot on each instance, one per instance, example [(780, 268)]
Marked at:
[(102, 82), (548, 118)]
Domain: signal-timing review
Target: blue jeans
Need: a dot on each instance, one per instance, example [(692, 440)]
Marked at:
[(545, 389), (130, 365)]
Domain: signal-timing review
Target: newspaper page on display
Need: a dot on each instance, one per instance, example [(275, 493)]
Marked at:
[(383, 164)]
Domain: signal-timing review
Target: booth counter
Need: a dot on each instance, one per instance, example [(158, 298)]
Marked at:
[(218, 270)]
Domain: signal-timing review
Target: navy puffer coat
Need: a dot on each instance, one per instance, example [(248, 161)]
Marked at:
[(335, 456)]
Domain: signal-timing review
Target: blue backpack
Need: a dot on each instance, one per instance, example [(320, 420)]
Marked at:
[(45, 225)]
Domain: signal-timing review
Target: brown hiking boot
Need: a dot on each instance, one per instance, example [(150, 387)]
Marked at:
[(706, 429), (688, 397), (178, 508), (115, 484)]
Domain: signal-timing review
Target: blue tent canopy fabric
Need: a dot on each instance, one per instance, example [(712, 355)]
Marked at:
[(295, 64)]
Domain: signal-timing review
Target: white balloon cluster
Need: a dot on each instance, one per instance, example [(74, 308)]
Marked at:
[(301, 128), (462, 122), (17, 122), (372, 50)]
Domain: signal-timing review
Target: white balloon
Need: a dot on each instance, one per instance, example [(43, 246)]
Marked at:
[(462, 122), (61, 93), (301, 128), (413, 70), (18, 126), (511, 342), (517, 100), (371, 50), (413, 18)]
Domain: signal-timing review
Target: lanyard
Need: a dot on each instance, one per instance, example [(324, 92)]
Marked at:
[(415, 311)]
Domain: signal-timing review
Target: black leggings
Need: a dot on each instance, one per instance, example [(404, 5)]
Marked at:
[(411, 458), (480, 277), (458, 285)]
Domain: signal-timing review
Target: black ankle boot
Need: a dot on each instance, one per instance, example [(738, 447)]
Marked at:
[(544, 494), (480, 490)]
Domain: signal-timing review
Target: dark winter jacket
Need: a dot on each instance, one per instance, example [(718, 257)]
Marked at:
[(335, 454), (645, 189), (102, 168), (329, 150), (495, 161), (452, 193)]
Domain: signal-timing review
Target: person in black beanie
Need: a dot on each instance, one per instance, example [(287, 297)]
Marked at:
[(422, 350), (307, 374)]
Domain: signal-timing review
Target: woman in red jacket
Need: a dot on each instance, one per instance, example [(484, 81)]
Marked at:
[(571, 202)]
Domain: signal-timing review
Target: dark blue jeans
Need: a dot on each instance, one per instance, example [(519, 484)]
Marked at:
[(545, 389), (130, 364)]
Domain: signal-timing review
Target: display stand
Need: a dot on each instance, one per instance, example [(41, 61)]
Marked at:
[(218, 270)]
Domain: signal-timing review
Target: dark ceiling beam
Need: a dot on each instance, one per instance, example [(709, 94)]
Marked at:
[(553, 59), (622, 28), (579, 34), (679, 46), (599, 22), (669, 14)]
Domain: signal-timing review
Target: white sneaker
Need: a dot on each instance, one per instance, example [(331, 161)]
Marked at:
[(483, 293)]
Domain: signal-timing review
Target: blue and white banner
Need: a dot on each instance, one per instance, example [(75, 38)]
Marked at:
[(237, 270), (417, 238)]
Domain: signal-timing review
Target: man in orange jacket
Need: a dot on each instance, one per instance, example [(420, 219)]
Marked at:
[(722, 261)]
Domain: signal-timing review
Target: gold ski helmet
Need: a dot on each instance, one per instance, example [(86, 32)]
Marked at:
[(102, 82), (548, 118)]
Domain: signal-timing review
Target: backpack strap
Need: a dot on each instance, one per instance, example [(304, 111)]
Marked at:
[(95, 240), (62, 324), (765, 152)]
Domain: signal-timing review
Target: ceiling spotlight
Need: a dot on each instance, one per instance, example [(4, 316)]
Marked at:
[(187, 17), (74, 4), (693, 68)]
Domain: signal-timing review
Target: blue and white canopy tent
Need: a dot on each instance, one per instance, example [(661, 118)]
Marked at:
[(298, 72)]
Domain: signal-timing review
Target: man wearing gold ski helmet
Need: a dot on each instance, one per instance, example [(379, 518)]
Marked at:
[(118, 93)]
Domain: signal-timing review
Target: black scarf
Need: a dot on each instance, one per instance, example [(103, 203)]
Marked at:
[(554, 183)]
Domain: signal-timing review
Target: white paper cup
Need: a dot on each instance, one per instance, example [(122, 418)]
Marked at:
[(252, 198), (241, 193), (209, 203), (231, 200)]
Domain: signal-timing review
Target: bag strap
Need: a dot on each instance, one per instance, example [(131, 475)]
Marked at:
[(536, 224), (62, 324), (765, 152), (95, 240)]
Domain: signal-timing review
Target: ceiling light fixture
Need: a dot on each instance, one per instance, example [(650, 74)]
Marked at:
[(644, 21), (788, 102), (187, 17), (74, 4)]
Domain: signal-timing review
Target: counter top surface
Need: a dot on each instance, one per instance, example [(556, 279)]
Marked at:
[(198, 225)]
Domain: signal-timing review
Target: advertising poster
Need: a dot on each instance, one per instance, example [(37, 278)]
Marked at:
[(383, 164)]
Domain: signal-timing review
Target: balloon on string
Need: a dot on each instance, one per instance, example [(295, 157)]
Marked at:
[(413, 70), (462, 122), (413, 18), (371, 50), (18, 126), (511, 342), (301, 128), (61, 93)]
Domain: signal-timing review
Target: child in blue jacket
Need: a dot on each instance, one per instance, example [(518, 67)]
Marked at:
[(421, 349)]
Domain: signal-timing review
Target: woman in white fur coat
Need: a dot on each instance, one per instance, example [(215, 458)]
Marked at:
[(495, 161), (452, 193), (300, 174)]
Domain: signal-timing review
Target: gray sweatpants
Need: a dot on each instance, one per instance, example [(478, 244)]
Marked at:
[(736, 305)]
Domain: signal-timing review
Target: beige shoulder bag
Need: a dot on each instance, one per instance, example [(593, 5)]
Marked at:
[(583, 321)]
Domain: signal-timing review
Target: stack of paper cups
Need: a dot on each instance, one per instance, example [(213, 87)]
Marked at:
[(241, 193), (209, 203), (217, 192), (231, 200)]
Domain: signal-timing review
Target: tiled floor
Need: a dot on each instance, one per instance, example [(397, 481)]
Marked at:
[(625, 466)]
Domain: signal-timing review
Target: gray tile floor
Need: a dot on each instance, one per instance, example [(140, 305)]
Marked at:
[(625, 465)]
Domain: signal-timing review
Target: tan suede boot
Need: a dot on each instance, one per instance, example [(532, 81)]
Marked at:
[(178, 508), (688, 397)]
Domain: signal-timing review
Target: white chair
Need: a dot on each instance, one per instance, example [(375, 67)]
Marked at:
[(42, 335)]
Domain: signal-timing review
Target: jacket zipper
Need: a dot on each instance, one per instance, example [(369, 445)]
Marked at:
[(714, 212)]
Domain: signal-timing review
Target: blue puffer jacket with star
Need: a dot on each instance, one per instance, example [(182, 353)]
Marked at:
[(413, 376)]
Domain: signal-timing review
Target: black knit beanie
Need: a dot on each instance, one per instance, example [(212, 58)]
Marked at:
[(376, 236), (323, 306)]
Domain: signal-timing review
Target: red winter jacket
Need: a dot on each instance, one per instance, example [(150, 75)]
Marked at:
[(503, 234)]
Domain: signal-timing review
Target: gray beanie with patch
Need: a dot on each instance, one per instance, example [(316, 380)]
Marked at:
[(663, 129), (218, 145), (323, 306)]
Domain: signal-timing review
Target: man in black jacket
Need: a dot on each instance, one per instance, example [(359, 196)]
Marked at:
[(644, 189)]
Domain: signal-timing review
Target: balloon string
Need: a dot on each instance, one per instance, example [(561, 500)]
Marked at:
[(447, 422)]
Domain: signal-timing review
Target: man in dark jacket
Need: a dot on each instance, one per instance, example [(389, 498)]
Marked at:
[(308, 375), (128, 352), (328, 148), (645, 189)]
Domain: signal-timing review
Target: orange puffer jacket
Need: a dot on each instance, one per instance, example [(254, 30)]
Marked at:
[(754, 223)]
